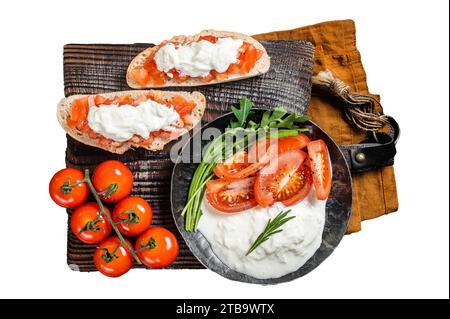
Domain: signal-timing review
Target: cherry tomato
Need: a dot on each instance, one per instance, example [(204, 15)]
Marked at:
[(231, 196), (136, 216), (279, 180), (113, 180), (67, 189), (89, 225), (320, 164), (157, 247), (111, 257)]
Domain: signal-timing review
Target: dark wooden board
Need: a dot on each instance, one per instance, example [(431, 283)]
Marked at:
[(97, 68)]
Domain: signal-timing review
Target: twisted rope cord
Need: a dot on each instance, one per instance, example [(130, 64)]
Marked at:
[(359, 109)]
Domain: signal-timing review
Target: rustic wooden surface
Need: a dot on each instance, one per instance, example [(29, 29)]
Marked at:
[(97, 68)]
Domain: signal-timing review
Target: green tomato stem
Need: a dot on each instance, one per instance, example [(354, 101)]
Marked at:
[(103, 212)]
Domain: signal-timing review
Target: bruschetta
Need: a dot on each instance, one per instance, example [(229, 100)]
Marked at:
[(206, 58), (122, 120)]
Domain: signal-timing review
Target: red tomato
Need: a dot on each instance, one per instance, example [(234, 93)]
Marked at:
[(298, 186), (257, 162), (234, 164), (157, 247), (89, 225), (78, 113), (141, 76), (278, 180), (231, 196), (181, 105), (100, 100), (320, 164), (284, 144), (136, 216), (111, 257), (67, 189), (113, 180), (209, 38)]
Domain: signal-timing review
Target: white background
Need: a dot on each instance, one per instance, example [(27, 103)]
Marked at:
[(404, 47)]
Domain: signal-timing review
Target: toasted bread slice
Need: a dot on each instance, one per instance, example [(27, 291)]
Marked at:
[(262, 64), (65, 105)]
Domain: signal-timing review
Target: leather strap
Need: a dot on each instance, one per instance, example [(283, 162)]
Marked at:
[(372, 154)]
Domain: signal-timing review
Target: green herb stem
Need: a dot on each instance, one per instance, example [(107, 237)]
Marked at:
[(272, 227)]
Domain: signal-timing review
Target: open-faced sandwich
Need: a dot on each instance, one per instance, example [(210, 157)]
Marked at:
[(205, 58), (119, 121)]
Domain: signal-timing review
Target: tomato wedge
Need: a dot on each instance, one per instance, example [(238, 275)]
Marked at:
[(231, 196), (284, 144), (279, 180), (320, 165), (251, 169), (298, 186), (234, 164)]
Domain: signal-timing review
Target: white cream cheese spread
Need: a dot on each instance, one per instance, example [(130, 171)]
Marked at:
[(231, 235), (120, 123), (197, 59)]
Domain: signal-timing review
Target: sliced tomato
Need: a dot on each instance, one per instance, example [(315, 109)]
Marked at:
[(283, 144), (298, 186), (320, 165), (231, 196), (276, 181), (292, 142), (254, 167), (234, 164)]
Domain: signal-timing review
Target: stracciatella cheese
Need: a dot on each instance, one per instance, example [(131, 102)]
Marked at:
[(197, 59), (231, 235), (120, 123)]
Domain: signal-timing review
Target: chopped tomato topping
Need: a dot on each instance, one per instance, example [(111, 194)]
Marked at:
[(149, 73), (125, 100), (209, 38), (141, 76), (100, 100), (182, 106)]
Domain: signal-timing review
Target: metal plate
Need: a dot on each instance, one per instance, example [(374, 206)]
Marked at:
[(338, 208)]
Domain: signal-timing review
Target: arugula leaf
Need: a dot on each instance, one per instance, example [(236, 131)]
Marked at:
[(241, 113)]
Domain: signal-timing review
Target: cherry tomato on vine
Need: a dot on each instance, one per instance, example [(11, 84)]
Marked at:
[(67, 188), (157, 247), (136, 216), (111, 257), (113, 180), (89, 225)]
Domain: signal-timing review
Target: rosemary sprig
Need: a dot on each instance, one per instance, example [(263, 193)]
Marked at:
[(272, 227)]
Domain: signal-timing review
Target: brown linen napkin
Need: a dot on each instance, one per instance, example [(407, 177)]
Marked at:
[(374, 192)]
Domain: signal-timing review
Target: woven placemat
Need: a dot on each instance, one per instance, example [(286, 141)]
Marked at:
[(97, 68)]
